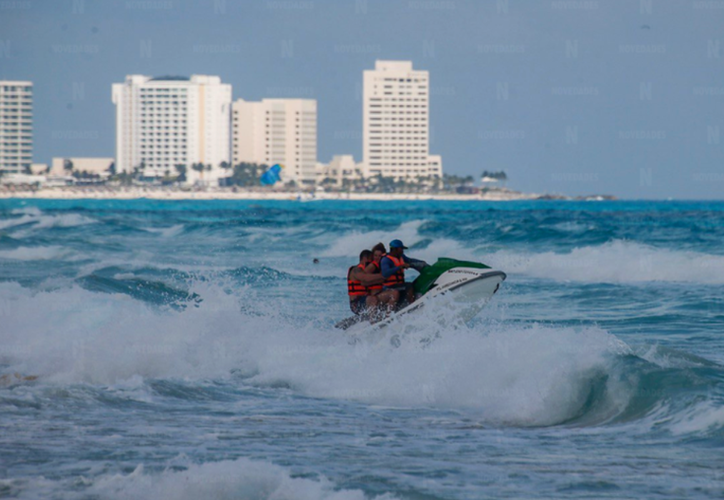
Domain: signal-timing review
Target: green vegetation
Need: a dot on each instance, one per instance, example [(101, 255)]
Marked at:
[(247, 175), (181, 169), (498, 176), (383, 184), (454, 182)]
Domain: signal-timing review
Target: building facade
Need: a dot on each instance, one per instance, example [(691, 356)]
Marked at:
[(169, 121), (396, 126), (16, 126), (66, 166), (274, 131), (340, 171)]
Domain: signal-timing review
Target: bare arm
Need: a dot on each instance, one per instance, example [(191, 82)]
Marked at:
[(367, 279)]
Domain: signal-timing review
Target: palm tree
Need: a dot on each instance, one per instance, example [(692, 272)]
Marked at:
[(437, 183), (388, 184), (452, 182), (181, 169), (199, 167), (422, 183), (225, 166), (68, 166), (247, 174)]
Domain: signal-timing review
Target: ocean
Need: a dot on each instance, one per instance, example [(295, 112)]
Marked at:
[(187, 350)]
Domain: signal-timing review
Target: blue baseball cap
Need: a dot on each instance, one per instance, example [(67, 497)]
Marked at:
[(397, 244)]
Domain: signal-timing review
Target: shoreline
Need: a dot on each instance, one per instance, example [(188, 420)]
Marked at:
[(132, 193)]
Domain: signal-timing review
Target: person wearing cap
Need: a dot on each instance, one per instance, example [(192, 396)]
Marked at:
[(393, 267)]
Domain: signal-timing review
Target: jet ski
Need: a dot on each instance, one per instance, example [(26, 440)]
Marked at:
[(469, 285)]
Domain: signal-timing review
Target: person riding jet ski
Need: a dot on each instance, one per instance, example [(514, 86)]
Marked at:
[(393, 267), (388, 299), (361, 301)]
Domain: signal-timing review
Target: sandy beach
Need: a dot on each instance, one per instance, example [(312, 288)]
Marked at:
[(127, 193)]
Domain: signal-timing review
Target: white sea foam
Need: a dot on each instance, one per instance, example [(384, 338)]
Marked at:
[(353, 243), (63, 220), (699, 418), (32, 210), (241, 478), (615, 262), (36, 219), (229, 479), (17, 221), (52, 252), (513, 375), (166, 232)]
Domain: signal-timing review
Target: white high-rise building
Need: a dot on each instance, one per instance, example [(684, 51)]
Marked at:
[(16, 126), (169, 121), (280, 131), (396, 126)]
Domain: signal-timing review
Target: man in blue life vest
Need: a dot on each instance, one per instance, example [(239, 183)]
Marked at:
[(393, 267), (361, 301)]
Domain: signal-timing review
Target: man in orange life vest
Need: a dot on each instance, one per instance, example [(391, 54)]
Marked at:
[(387, 299), (393, 267), (361, 301)]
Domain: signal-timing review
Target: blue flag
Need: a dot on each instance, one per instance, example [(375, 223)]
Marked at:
[(271, 176)]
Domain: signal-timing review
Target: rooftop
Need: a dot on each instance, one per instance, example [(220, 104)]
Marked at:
[(170, 79)]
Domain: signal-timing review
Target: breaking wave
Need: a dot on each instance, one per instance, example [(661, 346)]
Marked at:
[(25, 220), (500, 373), (228, 479), (615, 261), (52, 252)]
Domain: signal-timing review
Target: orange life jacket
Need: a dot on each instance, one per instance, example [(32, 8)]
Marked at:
[(378, 270), (355, 288), (399, 276)]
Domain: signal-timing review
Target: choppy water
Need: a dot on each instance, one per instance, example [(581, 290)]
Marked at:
[(186, 350)]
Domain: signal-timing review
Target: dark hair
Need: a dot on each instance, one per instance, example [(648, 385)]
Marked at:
[(379, 246), (365, 254)]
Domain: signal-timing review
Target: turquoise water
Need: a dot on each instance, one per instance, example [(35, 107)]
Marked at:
[(186, 350)]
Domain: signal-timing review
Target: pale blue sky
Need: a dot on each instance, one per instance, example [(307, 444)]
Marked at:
[(568, 96)]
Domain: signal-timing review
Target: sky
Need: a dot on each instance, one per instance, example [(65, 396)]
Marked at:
[(576, 97)]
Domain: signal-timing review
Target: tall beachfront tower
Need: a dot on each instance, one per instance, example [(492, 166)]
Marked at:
[(396, 125), (169, 121), (277, 131), (16, 126)]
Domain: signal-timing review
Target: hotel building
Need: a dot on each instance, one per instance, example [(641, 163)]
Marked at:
[(396, 126), (169, 121), (100, 166), (280, 131), (16, 126)]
